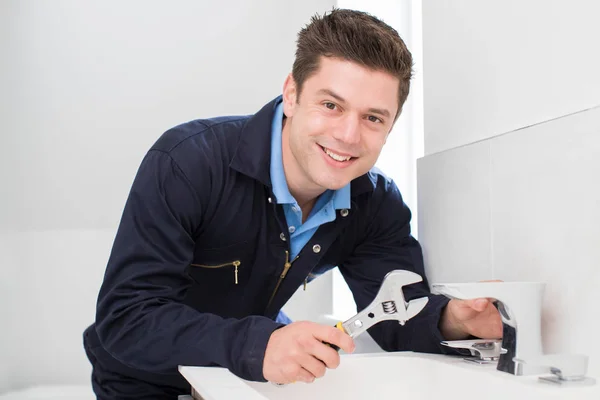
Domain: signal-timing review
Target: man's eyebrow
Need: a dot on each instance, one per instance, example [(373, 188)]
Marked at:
[(332, 94), (381, 111)]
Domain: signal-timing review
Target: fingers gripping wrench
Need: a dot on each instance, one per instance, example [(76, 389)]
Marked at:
[(389, 304)]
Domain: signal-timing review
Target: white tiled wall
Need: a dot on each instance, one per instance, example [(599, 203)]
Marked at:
[(524, 206), (509, 185), (546, 222), (495, 66)]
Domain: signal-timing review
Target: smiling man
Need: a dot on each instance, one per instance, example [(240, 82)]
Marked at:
[(228, 216)]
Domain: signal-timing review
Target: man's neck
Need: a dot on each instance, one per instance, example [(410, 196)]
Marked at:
[(307, 208)]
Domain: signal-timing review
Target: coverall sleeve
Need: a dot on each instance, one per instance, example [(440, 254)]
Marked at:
[(141, 320), (386, 245)]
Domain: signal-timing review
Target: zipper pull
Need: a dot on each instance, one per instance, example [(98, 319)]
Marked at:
[(287, 265), (236, 264)]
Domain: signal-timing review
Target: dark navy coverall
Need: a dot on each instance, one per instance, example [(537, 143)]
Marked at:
[(194, 273)]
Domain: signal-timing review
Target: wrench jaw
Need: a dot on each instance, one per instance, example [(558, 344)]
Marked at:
[(416, 306), (389, 304), (402, 277)]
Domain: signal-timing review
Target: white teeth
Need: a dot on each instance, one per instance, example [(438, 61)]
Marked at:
[(336, 157)]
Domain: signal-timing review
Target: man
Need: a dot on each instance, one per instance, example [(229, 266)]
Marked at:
[(227, 217)]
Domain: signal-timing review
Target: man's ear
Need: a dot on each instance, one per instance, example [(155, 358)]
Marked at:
[(289, 96)]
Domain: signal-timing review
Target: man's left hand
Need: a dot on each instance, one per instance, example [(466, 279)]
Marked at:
[(477, 317)]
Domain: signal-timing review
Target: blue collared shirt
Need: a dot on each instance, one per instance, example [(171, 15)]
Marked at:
[(324, 208)]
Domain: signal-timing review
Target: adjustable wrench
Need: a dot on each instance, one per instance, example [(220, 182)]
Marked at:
[(389, 304)]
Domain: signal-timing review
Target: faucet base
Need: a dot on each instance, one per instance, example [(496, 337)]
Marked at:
[(480, 361), (555, 380), (506, 362)]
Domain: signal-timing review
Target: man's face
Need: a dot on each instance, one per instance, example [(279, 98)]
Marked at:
[(337, 127)]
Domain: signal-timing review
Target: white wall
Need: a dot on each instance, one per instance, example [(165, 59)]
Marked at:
[(87, 87), (90, 86), (522, 202), (493, 67)]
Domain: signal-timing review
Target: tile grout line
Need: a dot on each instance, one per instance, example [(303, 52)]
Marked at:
[(513, 130)]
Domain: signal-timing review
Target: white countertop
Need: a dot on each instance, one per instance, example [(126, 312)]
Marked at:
[(391, 376)]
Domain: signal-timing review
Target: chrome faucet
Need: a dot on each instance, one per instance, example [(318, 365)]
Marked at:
[(520, 308)]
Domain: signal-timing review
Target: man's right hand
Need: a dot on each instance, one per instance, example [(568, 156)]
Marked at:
[(296, 352)]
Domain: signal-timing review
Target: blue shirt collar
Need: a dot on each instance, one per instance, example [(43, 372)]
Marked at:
[(341, 197)]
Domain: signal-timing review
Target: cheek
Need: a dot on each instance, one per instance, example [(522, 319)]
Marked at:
[(300, 141), (314, 124), (374, 145)]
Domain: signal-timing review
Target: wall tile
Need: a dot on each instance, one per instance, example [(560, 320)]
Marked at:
[(454, 217)]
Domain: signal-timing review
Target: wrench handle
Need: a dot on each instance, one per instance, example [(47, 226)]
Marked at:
[(341, 328)]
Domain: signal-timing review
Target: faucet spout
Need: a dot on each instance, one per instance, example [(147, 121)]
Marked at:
[(520, 308)]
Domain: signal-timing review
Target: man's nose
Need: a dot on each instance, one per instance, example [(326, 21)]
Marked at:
[(347, 130)]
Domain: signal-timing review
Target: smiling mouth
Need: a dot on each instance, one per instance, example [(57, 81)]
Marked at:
[(335, 156)]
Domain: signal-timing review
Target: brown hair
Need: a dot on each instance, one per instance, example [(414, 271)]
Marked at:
[(354, 36)]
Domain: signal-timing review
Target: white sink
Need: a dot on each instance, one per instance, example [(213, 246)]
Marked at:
[(382, 376)]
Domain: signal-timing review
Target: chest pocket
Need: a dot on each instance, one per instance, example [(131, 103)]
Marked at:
[(228, 266)]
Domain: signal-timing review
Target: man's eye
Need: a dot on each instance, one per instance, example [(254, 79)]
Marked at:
[(331, 106), (373, 118)]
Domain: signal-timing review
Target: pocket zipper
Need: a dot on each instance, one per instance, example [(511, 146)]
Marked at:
[(235, 263)]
